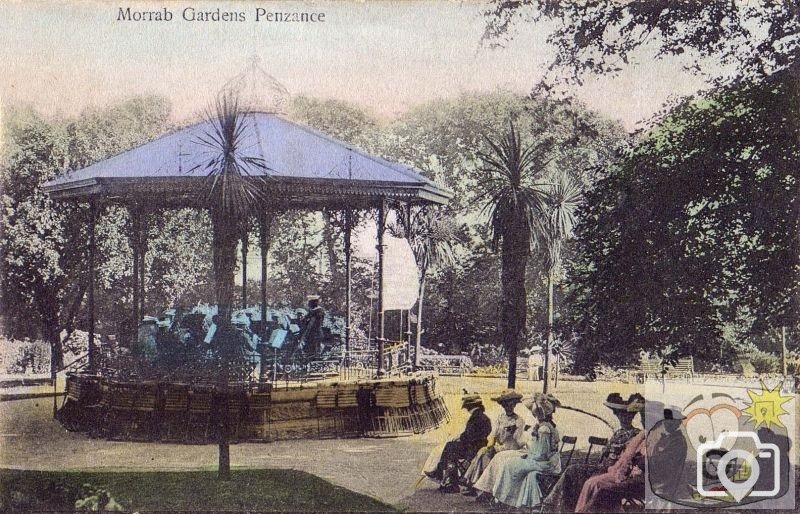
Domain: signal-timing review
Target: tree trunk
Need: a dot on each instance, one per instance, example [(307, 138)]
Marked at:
[(224, 255), (56, 347), (329, 236), (513, 315), (226, 238), (549, 342), (418, 344)]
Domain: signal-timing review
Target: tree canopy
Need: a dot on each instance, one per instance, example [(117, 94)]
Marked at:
[(747, 39), (696, 227)]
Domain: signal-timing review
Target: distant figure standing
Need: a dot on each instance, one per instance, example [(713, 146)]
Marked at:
[(311, 334), (535, 365)]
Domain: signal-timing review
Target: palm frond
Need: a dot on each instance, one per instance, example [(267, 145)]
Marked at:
[(509, 197), (234, 178)]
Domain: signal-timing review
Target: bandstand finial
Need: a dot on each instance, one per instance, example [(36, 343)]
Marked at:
[(257, 90)]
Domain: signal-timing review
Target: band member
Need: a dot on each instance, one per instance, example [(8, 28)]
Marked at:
[(311, 335)]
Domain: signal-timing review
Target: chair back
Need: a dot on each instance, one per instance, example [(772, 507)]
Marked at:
[(570, 441), (600, 442)]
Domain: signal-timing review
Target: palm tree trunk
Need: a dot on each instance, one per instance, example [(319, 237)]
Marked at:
[(225, 238), (549, 343), (513, 315), (224, 256), (418, 343)]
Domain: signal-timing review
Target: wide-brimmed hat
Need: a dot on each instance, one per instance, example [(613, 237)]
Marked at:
[(614, 401), (545, 403), (312, 297), (636, 403), (469, 401), (508, 395)]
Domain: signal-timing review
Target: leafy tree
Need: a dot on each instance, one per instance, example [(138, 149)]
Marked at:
[(746, 39), (697, 224), (43, 244)]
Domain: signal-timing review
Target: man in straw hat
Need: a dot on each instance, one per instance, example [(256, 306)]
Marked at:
[(566, 490), (464, 447), (508, 434)]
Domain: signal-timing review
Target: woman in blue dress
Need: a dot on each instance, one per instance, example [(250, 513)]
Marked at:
[(512, 481)]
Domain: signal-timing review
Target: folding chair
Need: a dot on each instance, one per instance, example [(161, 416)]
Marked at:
[(174, 417), (600, 442), (546, 481)]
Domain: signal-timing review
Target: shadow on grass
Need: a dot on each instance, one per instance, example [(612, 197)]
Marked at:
[(248, 490)]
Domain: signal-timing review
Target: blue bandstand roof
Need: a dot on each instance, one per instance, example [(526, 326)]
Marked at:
[(303, 168)]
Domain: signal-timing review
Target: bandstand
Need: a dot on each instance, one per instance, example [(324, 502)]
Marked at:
[(304, 170)]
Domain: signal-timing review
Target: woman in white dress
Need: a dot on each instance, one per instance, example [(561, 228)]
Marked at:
[(512, 480), (508, 435)]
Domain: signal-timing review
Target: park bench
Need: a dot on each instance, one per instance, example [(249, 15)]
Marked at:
[(454, 365), (648, 368)]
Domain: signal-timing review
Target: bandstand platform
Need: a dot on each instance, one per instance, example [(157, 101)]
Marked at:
[(180, 412)]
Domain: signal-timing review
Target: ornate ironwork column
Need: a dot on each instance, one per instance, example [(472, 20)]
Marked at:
[(348, 274), (244, 265), (264, 237), (381, 321), (135, 220), (90, 300)]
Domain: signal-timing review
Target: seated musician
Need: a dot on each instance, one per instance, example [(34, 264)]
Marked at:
[(508, 434)]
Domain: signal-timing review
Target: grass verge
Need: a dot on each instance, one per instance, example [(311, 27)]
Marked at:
[(248, 490)]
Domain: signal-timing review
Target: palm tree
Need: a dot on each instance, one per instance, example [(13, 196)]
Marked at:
[(232, 195), (561, 203), (514, 204), (430, 236)]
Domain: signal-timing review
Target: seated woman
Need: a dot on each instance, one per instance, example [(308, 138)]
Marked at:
[(602, 493), (513, 480), (566, 490), (508, 434), (443, 465)]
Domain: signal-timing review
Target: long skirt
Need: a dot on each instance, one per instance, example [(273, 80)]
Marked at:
[(515, 483), (490, 475), (565, 492), (602, 493), (481, 462), (432, 464)]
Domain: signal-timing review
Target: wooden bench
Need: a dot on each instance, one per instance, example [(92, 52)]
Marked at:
[(684, 368)]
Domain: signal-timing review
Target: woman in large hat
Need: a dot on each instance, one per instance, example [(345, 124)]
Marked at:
[(508, 434), (565, 492), (602, 493), (464, 447), (513, 480)]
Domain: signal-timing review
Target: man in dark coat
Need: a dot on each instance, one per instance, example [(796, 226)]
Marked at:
[(312, 336), (464, 447)]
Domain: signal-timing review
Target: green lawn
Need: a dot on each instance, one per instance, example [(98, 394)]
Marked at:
[(253, 490)]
